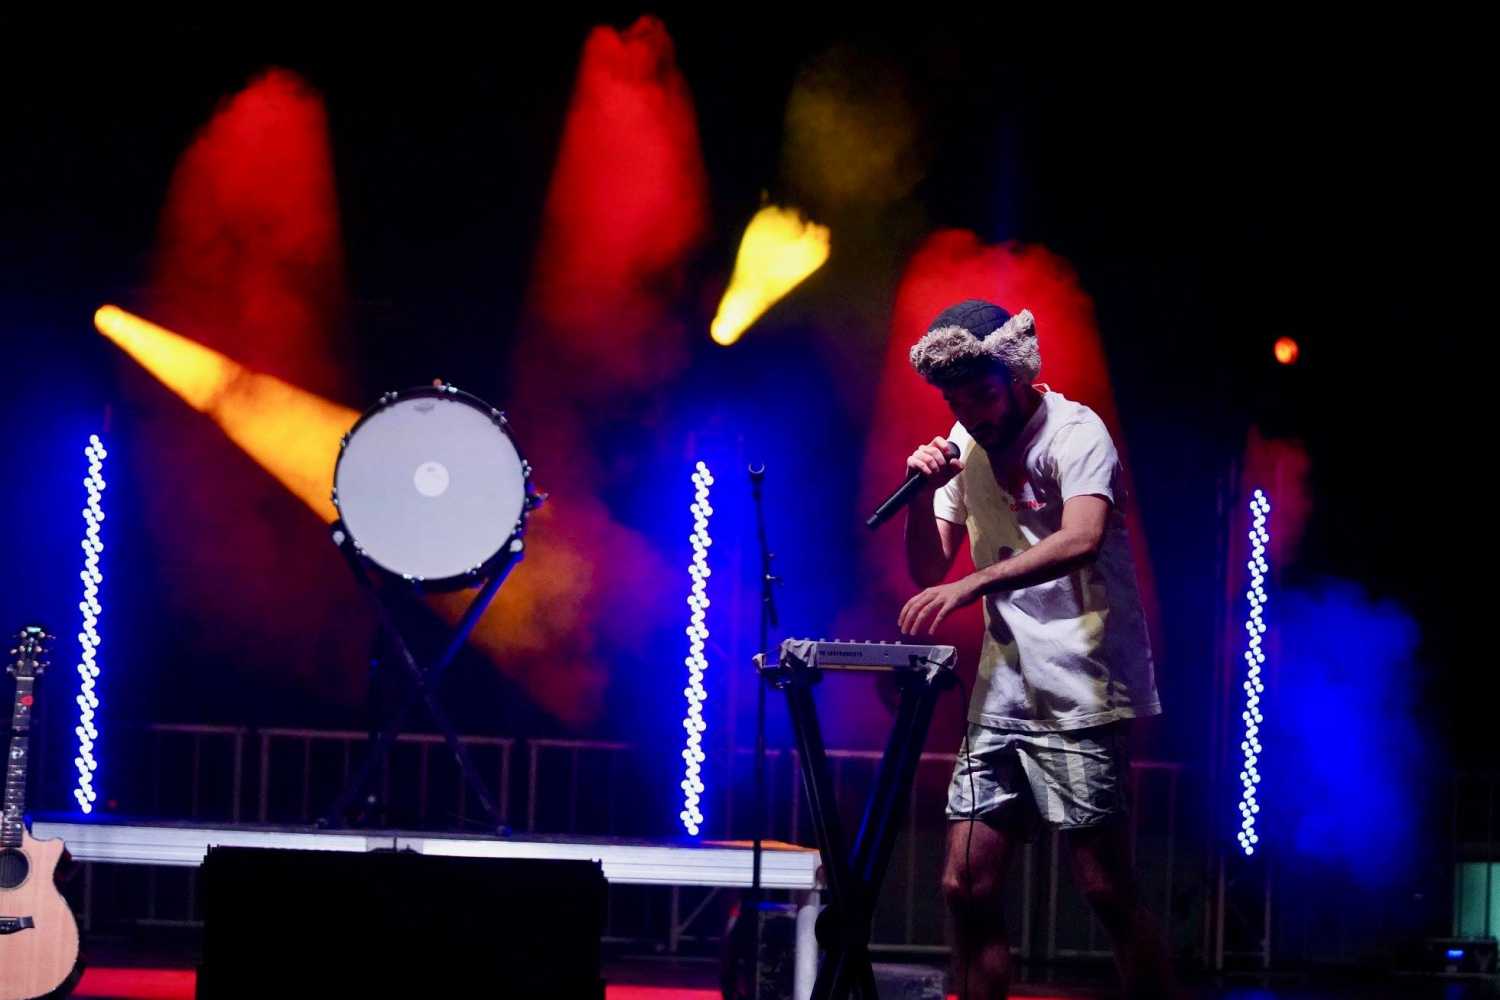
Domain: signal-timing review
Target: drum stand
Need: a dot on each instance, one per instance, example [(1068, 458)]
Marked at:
[(424, 682)]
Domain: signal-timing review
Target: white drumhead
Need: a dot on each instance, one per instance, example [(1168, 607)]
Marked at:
[(430, 487)]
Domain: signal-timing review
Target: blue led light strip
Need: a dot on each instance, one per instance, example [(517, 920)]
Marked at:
[(88, 637), (697, 632), (1255, 659)]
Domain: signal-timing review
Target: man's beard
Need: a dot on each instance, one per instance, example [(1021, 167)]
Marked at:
[(999, 437)]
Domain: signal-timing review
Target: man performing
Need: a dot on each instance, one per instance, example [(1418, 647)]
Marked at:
[(1066, 659)]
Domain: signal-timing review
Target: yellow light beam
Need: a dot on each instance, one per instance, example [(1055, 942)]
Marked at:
[(293, 434), (778, 251)]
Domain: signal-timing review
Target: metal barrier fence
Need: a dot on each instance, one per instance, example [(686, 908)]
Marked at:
[(587, 787)]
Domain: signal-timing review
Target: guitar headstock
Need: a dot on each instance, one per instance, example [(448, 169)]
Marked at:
[(28, 658)]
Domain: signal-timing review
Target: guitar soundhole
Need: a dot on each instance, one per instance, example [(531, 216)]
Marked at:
[(13, 868)]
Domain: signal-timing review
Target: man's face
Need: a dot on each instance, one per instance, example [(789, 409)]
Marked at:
[(990, 409)]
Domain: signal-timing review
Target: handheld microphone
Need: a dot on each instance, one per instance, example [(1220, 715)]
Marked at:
[(904, 493)]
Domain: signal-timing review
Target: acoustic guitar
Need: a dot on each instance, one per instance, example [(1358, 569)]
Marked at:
[(38, 935)]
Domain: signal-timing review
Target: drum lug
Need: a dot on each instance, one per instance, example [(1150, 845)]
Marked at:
[(516, 545), (535, 500), (388, 398), (334, 496)]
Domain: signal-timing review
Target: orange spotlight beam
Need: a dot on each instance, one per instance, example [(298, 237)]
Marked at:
[(292, 433)]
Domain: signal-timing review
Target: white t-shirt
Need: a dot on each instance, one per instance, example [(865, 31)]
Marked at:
[(1072, 652)]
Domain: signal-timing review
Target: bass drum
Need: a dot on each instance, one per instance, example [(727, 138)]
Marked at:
[(431, 487)]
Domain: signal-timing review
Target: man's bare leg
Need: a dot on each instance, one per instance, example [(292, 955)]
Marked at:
[(973, 879)]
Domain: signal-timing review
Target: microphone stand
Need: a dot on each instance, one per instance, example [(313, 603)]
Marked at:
[(767, 621)]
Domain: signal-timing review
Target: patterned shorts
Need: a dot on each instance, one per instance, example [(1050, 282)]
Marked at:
[(1069, 780)]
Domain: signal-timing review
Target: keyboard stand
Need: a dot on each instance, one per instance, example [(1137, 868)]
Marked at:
[(853, 873)]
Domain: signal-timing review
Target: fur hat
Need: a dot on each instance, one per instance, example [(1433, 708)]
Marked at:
[(965, 338)]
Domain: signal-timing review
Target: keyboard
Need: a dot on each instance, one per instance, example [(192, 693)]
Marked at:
[(829, 654)]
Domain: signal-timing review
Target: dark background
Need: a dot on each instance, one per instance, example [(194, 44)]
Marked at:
[(1213, 192)]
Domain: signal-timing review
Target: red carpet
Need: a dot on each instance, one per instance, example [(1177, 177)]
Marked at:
[(137, 984)]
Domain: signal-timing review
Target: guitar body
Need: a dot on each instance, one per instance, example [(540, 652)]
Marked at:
[(38, 935)]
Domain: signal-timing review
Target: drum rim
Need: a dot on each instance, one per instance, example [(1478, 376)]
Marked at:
[(512, 546)]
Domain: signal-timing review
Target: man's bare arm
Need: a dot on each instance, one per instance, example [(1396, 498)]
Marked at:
[(1074, 544)]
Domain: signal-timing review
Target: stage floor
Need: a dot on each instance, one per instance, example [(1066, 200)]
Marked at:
[(646, 979)]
